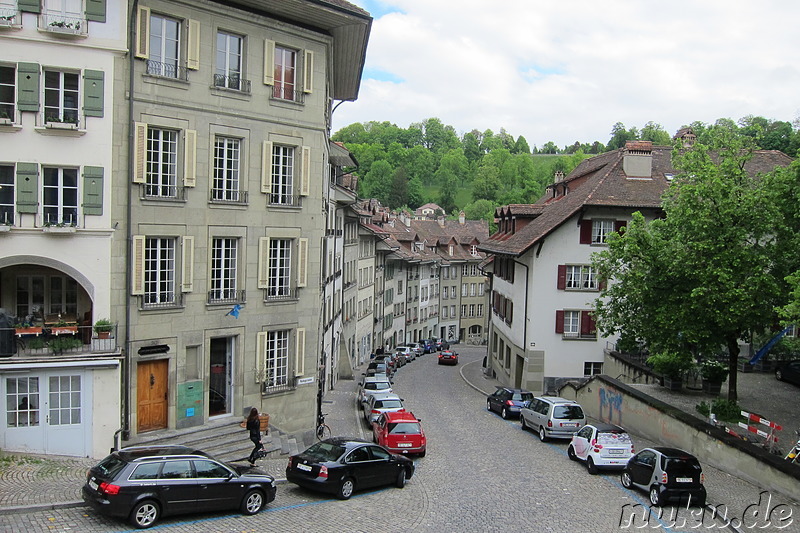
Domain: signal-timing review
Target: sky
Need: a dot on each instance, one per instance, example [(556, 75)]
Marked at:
[(568, 70)]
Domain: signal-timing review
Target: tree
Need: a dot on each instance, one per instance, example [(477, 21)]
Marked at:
[(620, 136), (481, 210), (521, 146), (655, 133), (398, 189), (377, 182), (447, 197), (702, 277), (486, 185)]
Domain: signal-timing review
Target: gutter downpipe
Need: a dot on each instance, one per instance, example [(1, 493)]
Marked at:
[(525, 309)]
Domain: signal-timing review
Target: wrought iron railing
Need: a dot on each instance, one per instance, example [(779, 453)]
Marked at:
[(167, 70), (285, 200), (162, 192), (286, 93), (280, 293), (226, 296), (60, 23), (226, 196), (56, 340), (161, 301), (235, 83)]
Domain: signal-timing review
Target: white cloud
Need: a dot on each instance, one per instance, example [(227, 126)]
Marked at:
[(567, 71)]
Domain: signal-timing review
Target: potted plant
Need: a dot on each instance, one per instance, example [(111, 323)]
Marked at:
[(714, 373), (672, 366), (103, 328)]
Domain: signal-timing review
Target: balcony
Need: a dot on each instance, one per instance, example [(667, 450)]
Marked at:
[(162, 192), (284, 200), (233, 83), (167, 70), (164, 300), (275, 294), (224, 196), (63, 24), (69, 340), (288, 94), (226, 296)]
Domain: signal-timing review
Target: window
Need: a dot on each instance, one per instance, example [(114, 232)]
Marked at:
[(162, 163), (60, 97), (228, 72), (600, 230), (452, 311), (591, 369), (276, 359), (453, 291), (223, 270), (65, 401), (285, 74), (159, 272), (463, 311), (280, 265), (399, 286), (64, 15), (63, 295), (572, 321), (165, 34), (7, 90), (473, 249), (472, 289), (282, 174), (227, 158), (30, 297), (60, 196), (471, 310), (6, 194), (576, 324), (444, 311), (464, 289), (480, 310), (22, 402), (577, 277)]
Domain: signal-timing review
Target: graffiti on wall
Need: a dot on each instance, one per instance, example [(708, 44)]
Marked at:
[(610, 405)]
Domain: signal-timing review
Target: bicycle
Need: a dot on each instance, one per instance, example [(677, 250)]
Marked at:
[(323, 429)]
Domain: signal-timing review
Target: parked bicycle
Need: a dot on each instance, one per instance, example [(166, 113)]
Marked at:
[(794, 453), (323, 429)]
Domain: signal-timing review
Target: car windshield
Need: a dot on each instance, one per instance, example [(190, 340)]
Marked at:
[(377, 385), (388, 404), (404, 428), (612, 438), (522, 396), (324, 451), (567, 412), (677, 466), (110, 466)]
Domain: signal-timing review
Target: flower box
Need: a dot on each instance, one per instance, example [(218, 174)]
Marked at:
[(33, 330), (63, 330)]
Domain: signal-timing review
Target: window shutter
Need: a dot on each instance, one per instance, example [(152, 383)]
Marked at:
[(562, 277), (137, 276), (96, 10), (602, 284), (29, 6), (263, 262), (308, 72), (559, 321), (28, 86), (261, 351), (27, 187), (266, 167), (302, 262), (193, 45), (190, 158), (587, 323), (142, 32), (305, 172), (93, 92), (269, 62), (93, 190), (586, 232), (510, 314), (300, 354), (619, 225), (139, 152), (187, 264)]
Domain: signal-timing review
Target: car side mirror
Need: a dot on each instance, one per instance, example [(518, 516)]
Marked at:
[(363, 373)]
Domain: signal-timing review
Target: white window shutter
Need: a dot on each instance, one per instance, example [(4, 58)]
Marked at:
[(187, 264), (302, 262), (266, 167), (305, 171), (137, 257), (142, 32), (193, 45), (300, 354), (261, 351), (269, 62), (263, 262), (308, 71), (139, 152), (190, 159)]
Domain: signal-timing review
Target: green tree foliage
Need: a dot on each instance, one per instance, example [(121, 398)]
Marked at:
[(655, 133), (521, 146), (377, 182), (398, 190), (620, 135), (481, 210), (447, 198)]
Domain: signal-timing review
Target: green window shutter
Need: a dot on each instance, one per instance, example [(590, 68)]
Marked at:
[(93, 93), (27, 187), (28, 75), (96, 10), (29, 6), (92, 190)]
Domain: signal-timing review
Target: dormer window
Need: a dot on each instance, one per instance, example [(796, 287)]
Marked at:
[(473, 249), (450, 249)]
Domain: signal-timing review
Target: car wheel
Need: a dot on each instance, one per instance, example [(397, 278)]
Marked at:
[(779, 375), (542, 434), (590, 466), (346, 488), (488, 405), (401, 479), (422, 453), (625, 479), (144, 514), (253, 502), (522, 423), (571, 453), (504, 413), (655, 496)]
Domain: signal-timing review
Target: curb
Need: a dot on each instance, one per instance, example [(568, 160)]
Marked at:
[(468, 382)]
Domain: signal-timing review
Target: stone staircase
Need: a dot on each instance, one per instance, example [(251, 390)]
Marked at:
[(221, 438)]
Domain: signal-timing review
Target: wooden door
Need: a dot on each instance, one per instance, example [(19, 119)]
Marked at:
[(151, 394)]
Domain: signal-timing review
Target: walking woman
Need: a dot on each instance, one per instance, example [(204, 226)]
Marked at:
[(254, 427)]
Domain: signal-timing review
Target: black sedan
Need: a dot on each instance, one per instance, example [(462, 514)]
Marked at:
[(341, 465), (788, 371), (143, 483)]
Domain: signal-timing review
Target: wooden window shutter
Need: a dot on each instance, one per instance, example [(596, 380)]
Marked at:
[(263, 262), (619, 225), (96, 10), (261, 353), (269, 62), (586, 232), (302, 262), (510, 313), (559, 321), (139, 152), (28, 75), (266, 167), (137, 274), (602, 283), (27, 187), (193, 45), (587, 323), (562, 277), (29, 6), (93, 93), (300, 353), (93, 190), (187, 263), (142, 33), (190, 158), (308, 72), (305, 172)]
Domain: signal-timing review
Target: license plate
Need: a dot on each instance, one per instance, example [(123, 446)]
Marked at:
[(569, 425), (404, 445), (683, 479), (93, 484), (301, 466), (616, 452)]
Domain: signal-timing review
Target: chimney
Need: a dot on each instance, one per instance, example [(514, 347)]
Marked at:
[(637, 161), (559, 176), (462, 217)]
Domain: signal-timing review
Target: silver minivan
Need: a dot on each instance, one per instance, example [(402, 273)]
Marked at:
[(552, 417)]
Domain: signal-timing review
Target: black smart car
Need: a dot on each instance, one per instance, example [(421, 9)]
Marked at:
[(666, 474), (341, 465), (143, 483)]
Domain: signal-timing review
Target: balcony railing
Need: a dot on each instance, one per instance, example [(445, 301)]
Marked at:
[(273, 294), (235, 83), (149, 302), (60, 23), (167, 70), (56, 340), (162, 192), (224, 196), (285, 200), (226, 296), (288, 94)]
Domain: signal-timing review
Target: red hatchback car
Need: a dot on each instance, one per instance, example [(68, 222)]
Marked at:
[(400, 432), (448, 357)]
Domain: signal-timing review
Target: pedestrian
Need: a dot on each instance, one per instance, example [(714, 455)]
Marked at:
[(254, 427)]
